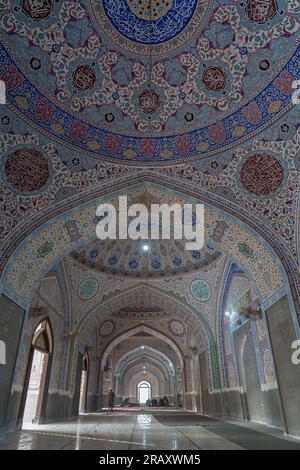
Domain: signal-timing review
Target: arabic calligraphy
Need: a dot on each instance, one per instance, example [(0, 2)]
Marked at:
[(214, 78), (149, 101), (131, 18), (261, 174), (84, 77), (37, 9)]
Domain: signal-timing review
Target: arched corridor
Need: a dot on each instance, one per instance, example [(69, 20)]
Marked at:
[(150, 225)]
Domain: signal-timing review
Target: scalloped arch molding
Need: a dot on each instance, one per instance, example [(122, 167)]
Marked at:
[(46, 240)]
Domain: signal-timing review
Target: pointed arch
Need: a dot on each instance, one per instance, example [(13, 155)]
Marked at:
[(142, 329), (50, 226), (37, 373)]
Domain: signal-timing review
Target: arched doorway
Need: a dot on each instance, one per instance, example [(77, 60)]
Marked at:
[(37, 372), (84, 384), (249, 378), (143, 392), (120, 374)]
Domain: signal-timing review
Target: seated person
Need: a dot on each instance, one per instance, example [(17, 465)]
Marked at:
[(125, 401)]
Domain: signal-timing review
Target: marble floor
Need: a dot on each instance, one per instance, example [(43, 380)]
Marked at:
[(155, 430)]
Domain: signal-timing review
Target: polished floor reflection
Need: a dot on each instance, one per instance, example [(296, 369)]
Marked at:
[(158, 430)]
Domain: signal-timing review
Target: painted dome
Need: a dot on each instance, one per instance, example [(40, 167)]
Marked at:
[(148, 22), (149, 82), (129, 258)]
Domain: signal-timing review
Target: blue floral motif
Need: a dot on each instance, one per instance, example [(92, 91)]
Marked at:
[(122, 72), (124, 122), (133, 264), (96, 219), (175, 73), (261, 65), (33, 55), (94, 254), (156, 264), (221, 36), (177, 261), (113, 260), (196, 254), (77, 32)]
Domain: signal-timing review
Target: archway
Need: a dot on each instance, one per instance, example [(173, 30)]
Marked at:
[(250, 389), (37, 374), (248, 234), (145, 363), (139, 329), (107, 375), (150, 374), (143, 392), (234, 236), (250, 379)]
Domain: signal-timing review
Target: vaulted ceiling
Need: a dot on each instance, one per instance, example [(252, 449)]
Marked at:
[(193, 95)]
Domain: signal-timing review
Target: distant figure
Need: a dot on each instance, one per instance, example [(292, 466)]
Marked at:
[(111, 398), (125, 401), (166, 401), (179, 402)]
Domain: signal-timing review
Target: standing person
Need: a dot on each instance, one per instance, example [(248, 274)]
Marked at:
[(111, 398)]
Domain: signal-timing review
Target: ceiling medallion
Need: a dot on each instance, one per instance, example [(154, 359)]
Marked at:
[(177, 328), (214, 78), (262, 175), (84, 77), (37, 10), (88, 288), (261, 11), (107, 328), (27, 170), (136, 26), (149, 101), (200, 290)]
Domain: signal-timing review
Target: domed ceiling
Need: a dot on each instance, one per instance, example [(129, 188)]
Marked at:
[(129, 258), (144, 258), (149, 82)]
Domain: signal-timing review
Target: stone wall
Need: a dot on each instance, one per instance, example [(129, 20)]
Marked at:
[(282, 335), (11, 322)]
